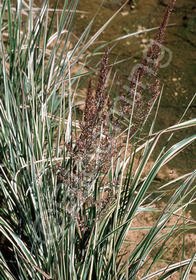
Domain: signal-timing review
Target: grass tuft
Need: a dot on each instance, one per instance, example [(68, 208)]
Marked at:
[(73, 188)]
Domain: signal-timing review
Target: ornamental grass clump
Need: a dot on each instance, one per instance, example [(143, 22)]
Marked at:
[(71, 188)]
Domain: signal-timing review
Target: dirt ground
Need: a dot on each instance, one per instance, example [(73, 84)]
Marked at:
[(174, 252)]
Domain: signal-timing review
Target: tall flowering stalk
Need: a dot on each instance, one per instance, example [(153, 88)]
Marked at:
[(94, 127), (95, 109), (144, 83), (91, 156)]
